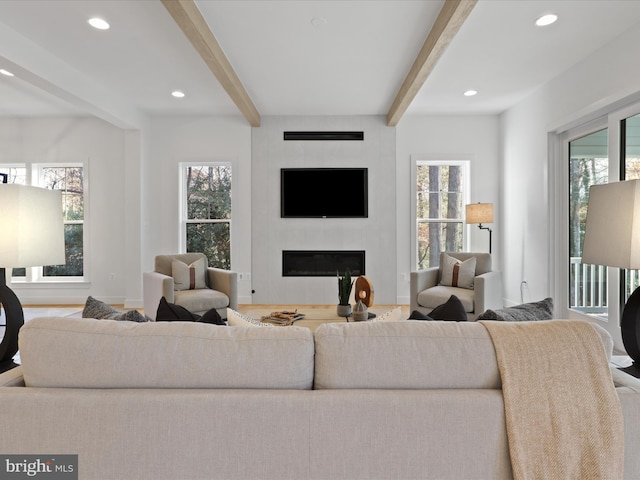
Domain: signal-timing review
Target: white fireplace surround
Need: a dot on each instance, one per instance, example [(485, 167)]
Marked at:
[(376, 235)]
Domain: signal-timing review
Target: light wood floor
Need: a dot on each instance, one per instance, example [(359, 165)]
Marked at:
[(247, 308), (243, 308)]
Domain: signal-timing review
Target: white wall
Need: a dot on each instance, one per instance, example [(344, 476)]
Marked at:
[(473, 138), (133, 194), (172, 140), (272, 234), (535, 247), (102, 149)]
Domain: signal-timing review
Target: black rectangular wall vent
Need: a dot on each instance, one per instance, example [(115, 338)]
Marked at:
[(324, 135)]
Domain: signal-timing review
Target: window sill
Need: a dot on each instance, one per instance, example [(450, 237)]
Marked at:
[(51, 284)]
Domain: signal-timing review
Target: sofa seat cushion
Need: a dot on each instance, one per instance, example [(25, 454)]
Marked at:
[(435, 296), (201, 300), (405, 355), (89, 353)]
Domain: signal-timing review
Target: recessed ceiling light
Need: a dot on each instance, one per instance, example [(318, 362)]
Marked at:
[(545, 20), (177, 94), (470, 93), (6, 72), (98, 23)]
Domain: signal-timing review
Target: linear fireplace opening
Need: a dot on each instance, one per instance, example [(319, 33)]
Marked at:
[(322, 263)]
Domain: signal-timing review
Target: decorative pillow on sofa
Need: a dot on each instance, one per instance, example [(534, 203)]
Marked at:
[(394, 315), (417, 315), (170, 312), (458, 274), (213, 317), (237, 319), (452, 310), (542, 310), (188, 277), (96, 309)]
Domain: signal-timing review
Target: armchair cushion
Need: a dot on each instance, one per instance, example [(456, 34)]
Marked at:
[(435, 296), (201, 300), (189, 277), (458, 273)]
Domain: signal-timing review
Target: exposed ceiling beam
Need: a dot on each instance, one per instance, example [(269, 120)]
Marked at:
[(450, 19), (186, 14)]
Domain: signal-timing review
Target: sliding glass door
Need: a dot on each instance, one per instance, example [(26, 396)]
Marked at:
[(629, 170), (588, 165)]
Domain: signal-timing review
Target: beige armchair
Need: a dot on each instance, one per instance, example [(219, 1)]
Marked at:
[(218, 289), (426, 293)]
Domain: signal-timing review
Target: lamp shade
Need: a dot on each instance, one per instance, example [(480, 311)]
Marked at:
[(479, 213), (31, 226), (612, 232)]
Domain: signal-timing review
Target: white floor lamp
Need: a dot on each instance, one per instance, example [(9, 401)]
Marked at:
[(612, 238), (31, 234)]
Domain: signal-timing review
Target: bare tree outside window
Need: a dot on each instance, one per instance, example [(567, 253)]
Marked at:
[(208, 209), (440, 188), (70, 181), (588, 165)]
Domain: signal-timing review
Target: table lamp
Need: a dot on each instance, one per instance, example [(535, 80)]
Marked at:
[(31, 234), (480, 213), (612, 238)]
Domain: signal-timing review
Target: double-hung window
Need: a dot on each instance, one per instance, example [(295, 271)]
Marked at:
[(442, 190), (69, 179), (206, 211)]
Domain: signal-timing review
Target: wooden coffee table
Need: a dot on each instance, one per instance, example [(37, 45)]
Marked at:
[(314, 315)]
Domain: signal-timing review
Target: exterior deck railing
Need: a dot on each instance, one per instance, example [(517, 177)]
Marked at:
[(589, 285)]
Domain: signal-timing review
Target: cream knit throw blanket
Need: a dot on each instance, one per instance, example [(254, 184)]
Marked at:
[(563, 415)]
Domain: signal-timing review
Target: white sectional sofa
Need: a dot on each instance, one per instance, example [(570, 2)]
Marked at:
[(396, 400)]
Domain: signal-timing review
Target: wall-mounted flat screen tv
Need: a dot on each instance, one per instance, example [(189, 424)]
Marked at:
[(323, 193)]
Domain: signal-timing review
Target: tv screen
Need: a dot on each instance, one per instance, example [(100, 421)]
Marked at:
[(323, 192)]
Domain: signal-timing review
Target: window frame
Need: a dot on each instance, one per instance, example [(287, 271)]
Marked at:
[(466, 195), (34, 177), (182, 192), (612, 120)]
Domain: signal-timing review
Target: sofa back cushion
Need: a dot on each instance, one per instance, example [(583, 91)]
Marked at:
[(405, 355), (89, 353)]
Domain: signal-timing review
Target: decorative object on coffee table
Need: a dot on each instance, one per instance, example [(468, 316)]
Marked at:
[(283, 317), (360, 312), (364, 290), (345, 284)]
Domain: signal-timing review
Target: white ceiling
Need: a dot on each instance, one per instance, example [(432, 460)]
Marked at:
[(350, 60)]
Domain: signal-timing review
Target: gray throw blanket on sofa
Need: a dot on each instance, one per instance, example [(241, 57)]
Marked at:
[(542, 310)]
